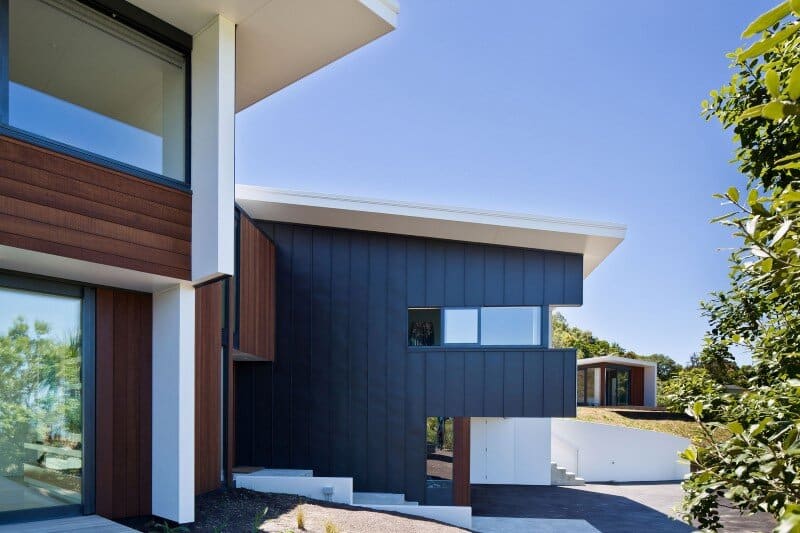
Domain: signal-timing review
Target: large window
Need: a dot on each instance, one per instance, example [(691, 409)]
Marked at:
[(42, 440), (484, 326), (83, 79)]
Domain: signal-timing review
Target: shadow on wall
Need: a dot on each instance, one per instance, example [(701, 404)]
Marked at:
[(608, 513)]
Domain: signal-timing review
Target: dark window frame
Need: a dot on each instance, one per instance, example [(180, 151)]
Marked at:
[(142, 22), (13, 280)]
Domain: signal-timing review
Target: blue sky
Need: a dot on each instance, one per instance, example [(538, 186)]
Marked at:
[(577, 109)]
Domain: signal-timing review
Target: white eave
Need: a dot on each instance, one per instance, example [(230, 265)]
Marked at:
[(280, 41), (594, 240), (615, 360)]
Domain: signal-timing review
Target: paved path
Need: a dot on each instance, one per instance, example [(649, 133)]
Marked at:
[(500, 524), (77, 524), (611, 508)]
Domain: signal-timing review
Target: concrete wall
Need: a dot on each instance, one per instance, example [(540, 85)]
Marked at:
[(512, 451), (601, 452)]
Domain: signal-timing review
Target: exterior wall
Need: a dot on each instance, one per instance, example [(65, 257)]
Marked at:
[(642, 385), (255, 328), (124, 410), (510, 451), (575, 447), (208, 385), (60, 205), (346, 396)]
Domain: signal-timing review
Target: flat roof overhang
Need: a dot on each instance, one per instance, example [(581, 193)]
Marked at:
[(615, 360), (280, 41), (594, 240)]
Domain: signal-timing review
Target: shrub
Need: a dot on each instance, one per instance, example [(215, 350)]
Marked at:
[(687, 387), (330, 527), (301, 518)]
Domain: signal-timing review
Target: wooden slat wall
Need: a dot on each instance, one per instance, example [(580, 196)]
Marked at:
[(461, 458), (208, 383), (637, 386), (53, 203), (256, 292), (124, 404)]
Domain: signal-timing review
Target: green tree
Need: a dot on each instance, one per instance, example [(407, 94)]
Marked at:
[(755, 464), (667, 366)]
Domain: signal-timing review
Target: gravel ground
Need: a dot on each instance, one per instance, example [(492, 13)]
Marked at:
[(240, 510)]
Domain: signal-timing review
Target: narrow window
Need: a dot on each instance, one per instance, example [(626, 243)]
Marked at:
[(460, 326), (424, 327)]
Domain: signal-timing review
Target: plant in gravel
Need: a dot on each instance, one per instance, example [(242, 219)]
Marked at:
[(259, 519), (301, 518), (164, 527), (330, 527)]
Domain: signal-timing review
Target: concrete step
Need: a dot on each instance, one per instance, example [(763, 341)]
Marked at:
[(559, 476), (449, 514), (380, 498)]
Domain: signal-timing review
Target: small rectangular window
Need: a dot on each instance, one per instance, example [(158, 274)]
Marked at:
[(511, 326), (460, 326), (425, 327)]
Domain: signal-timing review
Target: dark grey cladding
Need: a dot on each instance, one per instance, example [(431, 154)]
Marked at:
[(347, 397)]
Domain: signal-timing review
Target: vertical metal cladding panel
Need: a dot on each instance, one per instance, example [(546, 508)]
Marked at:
[(376, 362), (320, 416), (342, 300)]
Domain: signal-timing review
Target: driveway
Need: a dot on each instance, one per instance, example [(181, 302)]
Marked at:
[(611, 508)]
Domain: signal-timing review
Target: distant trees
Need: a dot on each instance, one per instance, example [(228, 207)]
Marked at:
[(587, 345)]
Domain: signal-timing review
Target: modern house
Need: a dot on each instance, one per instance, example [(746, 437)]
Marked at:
[(116, 206), (162, 332), (611, 380)]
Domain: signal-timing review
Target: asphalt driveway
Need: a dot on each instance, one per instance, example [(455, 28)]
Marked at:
[(611, 508)]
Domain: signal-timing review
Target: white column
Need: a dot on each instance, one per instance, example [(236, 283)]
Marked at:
[(173, 403), (213, 110)]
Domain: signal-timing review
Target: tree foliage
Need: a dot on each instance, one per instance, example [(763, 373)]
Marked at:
[(588, 345), (755, 467)]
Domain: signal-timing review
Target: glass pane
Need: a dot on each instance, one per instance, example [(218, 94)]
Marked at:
[(425, 327), (84, 79), (582, 386), (460, 326), (622, 387), (510, 326), (592, 381), (41, 434)]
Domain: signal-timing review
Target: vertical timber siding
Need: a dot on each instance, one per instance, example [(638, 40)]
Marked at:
[(346, 396), (124, 407), (208, 383), (56, 204), (256, 271)]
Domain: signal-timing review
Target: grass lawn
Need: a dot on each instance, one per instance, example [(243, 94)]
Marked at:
[(654, 420)]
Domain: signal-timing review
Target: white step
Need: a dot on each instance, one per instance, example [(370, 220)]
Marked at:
[(380, 498), (449, 514), (333, 489)]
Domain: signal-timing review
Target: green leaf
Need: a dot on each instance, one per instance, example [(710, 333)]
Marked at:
[(752, 197), (781, 233), (736, 428), (788, 166), (765, 45), (791, 157), (793, 84), (772, 81), (773, 110), (765, 20), (751, 112), (733, 194), (795, 6)]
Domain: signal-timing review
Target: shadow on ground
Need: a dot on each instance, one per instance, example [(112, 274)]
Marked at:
[(607, 512)]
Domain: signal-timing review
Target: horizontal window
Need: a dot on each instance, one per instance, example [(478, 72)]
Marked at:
[(83, 79), (510, 326), (485, 326)]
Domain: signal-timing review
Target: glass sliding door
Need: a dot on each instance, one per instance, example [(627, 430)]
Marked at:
[(617, 386), (41, 399)]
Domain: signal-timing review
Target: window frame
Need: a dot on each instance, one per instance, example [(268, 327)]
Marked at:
[(141, 22), (87, 295), (478, 345)]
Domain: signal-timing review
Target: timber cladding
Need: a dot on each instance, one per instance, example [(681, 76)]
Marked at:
[(208, 380), (57, 204), (256, 273), (124, 403)]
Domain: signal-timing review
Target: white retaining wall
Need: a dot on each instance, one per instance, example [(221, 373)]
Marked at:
[(310, 487), (602, 452)]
